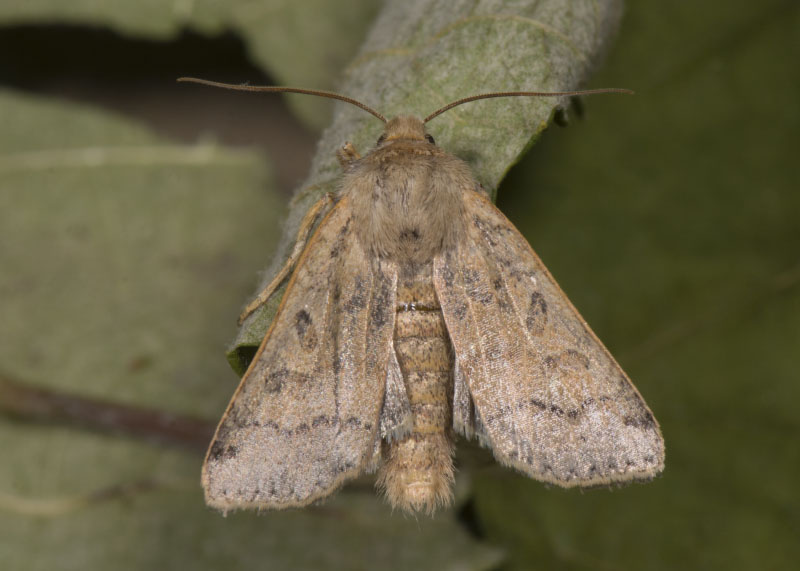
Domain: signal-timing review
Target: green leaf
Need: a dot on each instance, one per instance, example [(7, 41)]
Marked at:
[(420, 55), (93, 204)]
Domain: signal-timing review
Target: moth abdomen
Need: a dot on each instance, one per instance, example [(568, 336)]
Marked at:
[(417, 473)]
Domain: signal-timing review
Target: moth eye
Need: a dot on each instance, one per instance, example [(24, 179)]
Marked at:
[(381, 139), (430, 139)]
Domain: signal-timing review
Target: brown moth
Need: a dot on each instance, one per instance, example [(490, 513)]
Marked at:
[(414, 311)]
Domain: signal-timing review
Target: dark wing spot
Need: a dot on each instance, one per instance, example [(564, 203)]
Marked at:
[(359, 298), (240, 415), (474, 287), (341, 238), (306, 332), (216, 450), (575, 359), (536, 320), (378, 314), (220, 451), (645, 421), (302, 321), (275, 380), (538, 404)]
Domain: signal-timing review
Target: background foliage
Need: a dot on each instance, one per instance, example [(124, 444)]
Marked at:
[(670, 218)]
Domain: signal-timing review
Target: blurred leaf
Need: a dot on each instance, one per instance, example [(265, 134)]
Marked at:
[(670, 219), (299, 43), (92, 205), (420, 55)]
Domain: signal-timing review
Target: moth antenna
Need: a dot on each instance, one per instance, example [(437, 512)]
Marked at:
[(526, 94), (278, 89)]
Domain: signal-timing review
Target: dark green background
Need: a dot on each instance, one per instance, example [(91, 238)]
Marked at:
[(674, 225), (670, 218)]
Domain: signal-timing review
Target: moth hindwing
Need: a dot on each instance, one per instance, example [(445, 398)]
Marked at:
[(416, 310)]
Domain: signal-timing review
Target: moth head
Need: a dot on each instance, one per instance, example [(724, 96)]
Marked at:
[(405, 128)]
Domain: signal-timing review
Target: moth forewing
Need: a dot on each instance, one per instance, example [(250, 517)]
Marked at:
[(305, 417), (549, 398)]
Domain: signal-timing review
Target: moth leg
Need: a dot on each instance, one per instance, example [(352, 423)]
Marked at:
[(347, 154), (306, 225)]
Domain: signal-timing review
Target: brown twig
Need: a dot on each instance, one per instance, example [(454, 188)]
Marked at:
[(25, 402)]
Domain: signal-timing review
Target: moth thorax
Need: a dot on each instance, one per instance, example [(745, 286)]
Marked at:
[(417, 473), (405, 127)]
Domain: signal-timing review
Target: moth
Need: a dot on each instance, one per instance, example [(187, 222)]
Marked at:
[(416, 311)]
